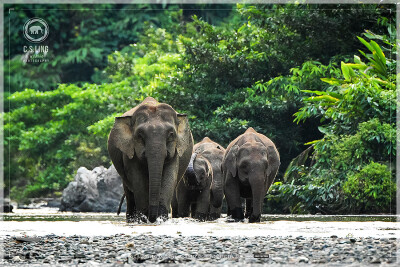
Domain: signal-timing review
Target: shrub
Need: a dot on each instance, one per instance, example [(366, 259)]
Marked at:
[(371, 190)]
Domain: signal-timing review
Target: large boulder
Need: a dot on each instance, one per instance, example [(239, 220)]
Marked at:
[(99, 190)]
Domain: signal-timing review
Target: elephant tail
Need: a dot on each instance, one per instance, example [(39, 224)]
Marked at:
[(120, 204)]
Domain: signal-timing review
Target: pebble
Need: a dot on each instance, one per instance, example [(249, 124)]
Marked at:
[(277, 259), (198, 250), (130, 245), (16, 259), (158, 249), (302, 259)]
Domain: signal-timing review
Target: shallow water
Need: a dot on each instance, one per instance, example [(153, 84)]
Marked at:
[(50, 221), (52, 214)]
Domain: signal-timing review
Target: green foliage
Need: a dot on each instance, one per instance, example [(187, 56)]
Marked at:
[(81, 37), (317, 32), (50, 134), (371, 190), (304, 198), (366, 92), (374, 141), (358, 112)]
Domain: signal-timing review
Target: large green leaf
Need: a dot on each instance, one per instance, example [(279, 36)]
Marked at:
[(366, 44), (322, 98), (332, 81), (379, 53), (357, 66)]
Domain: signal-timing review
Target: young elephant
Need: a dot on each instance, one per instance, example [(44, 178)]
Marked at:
[(192, 194), (214, 153), (150, 147), (250, 165)]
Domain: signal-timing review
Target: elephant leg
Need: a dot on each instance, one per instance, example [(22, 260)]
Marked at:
[(193, 209), (215, 213), (174, 206), (130, 205), (183, 207), (228, 211), (139, 185), (249, 208), (232, 195), (182, 199), (202, 205), (168, 185)]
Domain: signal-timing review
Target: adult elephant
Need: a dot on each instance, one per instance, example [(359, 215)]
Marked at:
[(150, 147), (214, 153), (250, 165), (192, 194)]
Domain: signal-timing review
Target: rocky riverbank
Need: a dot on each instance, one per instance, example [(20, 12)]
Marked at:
[(123, 249)]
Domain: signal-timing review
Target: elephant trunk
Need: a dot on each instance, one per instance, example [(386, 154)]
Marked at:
[(155, 161), (217, 187), (190, 175), (258, 192)]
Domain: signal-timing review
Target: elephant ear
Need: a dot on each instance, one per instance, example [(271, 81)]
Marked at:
[(231, 160), (273, 161), (184, 135), (124, 136)]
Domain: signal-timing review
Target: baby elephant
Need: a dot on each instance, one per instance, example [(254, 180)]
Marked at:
[(214, 153), (250, 165), (192, 194)]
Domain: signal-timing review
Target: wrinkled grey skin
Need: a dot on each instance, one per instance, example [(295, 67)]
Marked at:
[(192, 194), (150, 147), (214, 153), (250, 165)]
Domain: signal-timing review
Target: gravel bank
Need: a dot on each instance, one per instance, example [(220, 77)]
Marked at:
[(121, 249)]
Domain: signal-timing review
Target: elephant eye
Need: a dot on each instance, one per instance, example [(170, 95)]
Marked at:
[(140, 136), (171, 136), (245, 167)]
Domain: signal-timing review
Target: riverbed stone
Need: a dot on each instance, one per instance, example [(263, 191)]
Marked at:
[(151, 250), (97, 190)]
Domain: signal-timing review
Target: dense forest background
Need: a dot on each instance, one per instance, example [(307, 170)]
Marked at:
[(319, 80)]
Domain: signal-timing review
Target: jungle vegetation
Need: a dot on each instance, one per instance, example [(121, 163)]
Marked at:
[(319, 80)]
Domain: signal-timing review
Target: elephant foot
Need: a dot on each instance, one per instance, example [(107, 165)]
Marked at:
[(229, 212), (162, 213), (130, 218), (136, 217), (153, 213), (175, 213), (236, 215), (254, 218), (214, 216), (230, 220), (201, 217)]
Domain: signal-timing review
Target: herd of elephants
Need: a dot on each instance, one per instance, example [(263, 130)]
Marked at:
[(151, 147)]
